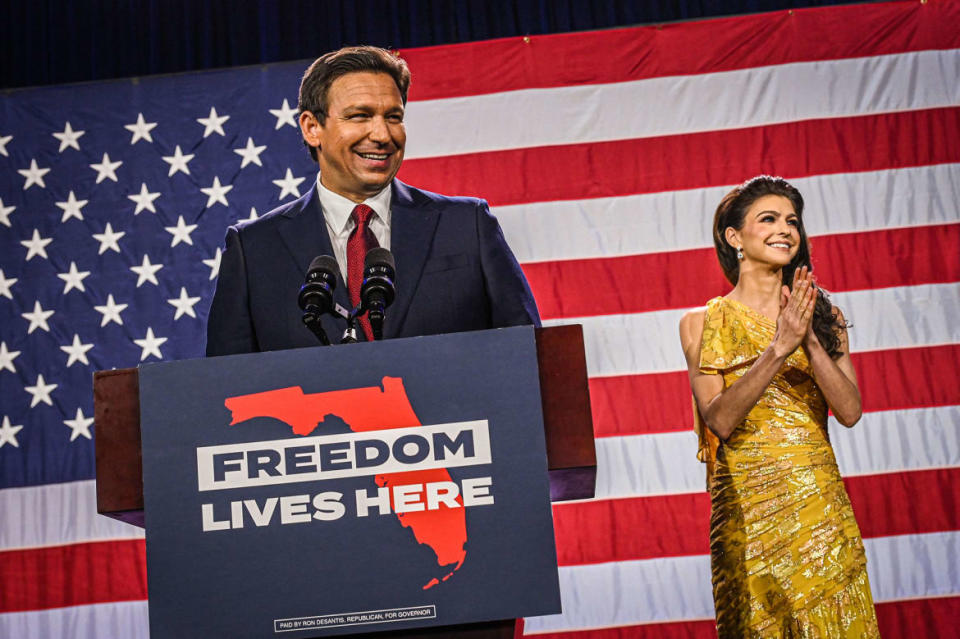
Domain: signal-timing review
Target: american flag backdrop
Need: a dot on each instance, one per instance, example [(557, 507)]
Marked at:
[(603, 155)]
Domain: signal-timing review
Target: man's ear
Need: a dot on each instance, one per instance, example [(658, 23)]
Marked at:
[(733, 237), (310, 129)]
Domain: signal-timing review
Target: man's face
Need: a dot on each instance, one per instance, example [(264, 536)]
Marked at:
[(361, 143)]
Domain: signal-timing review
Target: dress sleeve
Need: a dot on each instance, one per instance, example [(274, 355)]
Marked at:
[(725, 344), (711, 363)]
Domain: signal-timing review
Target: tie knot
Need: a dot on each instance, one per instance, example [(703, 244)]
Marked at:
[(361, 215)]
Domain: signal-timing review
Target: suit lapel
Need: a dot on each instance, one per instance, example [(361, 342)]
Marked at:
[(412, 226), (304, 234)]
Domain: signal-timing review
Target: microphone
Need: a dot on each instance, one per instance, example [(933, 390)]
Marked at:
[(378, 290), (316, 294)]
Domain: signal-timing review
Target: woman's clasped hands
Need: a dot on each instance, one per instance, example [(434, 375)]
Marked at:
[(794, 325)]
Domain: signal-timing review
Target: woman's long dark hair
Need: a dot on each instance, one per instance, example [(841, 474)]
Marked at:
[(731, 212)]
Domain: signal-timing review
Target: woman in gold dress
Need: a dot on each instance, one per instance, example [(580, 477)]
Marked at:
[(766, 362)]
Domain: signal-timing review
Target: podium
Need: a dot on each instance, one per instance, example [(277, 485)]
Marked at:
[(567, 432)]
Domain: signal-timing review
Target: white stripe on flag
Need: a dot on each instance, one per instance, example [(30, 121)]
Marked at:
[(683, 104), (630, 592), (882, 442), (125, 619), (55, 515), (678, 588), (897, 440), (887, 318), (902, 316), (680, 220), (644, 465), (912, 566)]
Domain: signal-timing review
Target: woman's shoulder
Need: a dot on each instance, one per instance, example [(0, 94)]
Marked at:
[(692, 321)]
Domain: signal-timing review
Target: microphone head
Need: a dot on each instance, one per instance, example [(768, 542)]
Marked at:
[(323, 267), (316, 294), (379, 256), (379, 271)]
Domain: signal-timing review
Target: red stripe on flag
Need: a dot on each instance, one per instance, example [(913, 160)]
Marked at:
[(898, 257), (605, 286), (698, 629), (935, 617), (887, 504), (908, 378), (661, 402), (607, 530), (590, 532), (914, 618), (641, 404), (623, 167), (629, 284), (704, 46), (72, 575)]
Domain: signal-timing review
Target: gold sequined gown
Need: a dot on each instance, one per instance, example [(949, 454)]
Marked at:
[(786, 553)]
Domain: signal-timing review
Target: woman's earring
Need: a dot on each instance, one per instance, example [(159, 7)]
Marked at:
[(740, 254)]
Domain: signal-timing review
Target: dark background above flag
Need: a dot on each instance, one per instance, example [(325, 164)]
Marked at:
[(58, 42)]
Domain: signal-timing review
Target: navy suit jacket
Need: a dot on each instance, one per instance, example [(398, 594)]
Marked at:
[(455, 273)]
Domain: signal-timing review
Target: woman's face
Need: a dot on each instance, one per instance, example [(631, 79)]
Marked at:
[(770, 233)]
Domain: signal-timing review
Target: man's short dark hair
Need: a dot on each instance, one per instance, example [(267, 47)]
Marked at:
[(315, 86)]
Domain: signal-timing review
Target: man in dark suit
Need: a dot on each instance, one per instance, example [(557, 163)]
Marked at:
[(454, 270)]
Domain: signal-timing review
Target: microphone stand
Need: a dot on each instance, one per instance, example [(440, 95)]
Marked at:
[(376, 316), (312, 321), (350, 333)]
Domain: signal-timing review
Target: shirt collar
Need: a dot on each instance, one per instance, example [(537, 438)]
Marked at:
[(337, 209)]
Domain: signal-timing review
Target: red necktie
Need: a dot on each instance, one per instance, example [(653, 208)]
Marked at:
[(361, 240)]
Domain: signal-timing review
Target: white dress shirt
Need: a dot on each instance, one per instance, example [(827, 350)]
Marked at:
[(337, 212)]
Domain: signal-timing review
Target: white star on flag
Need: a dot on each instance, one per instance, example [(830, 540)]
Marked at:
[(178, 161), (108, 239), (213, 123), (140, 129), (7, 357), (68, 138), (38, 318), (184, 304), (77, 351), (284, 115), (4, 139), (250, 153), (71, 208), (217, 192), (41, 392), (144, 199), (181, 232), (8, 433), (110, 311), (7, 282), (36, 245), (213, 263), (34, 175), (5, 212), (253, 215), (73, 279), (150, 345), (80, 425), (288, 185), (146, 272), (106, 169)]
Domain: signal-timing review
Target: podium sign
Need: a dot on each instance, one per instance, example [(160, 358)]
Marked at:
[(343, 489)]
